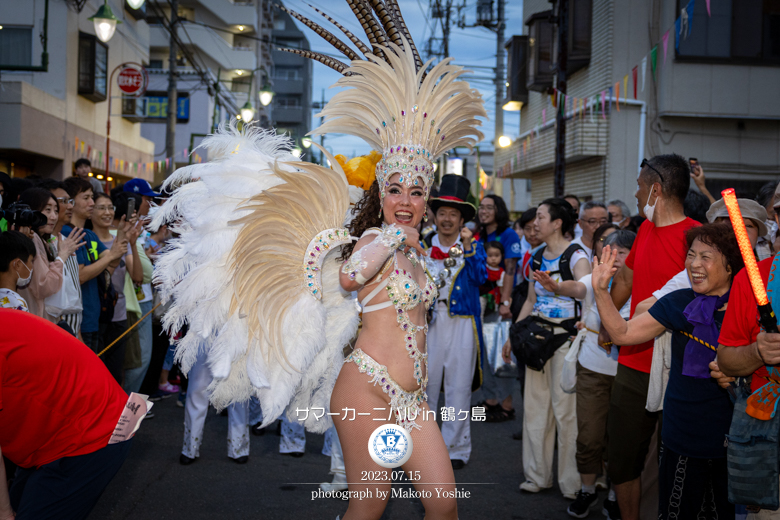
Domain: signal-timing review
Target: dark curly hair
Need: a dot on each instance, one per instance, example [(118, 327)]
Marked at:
[(719, 235), (368, 214)]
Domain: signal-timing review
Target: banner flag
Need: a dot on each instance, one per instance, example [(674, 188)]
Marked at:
[(617, 95), (665, 40), (709, 13), (644, 72), (654, 60), (633, 74), (625, 89)]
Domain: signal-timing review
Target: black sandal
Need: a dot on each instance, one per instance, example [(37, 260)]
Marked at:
[(501, 415)]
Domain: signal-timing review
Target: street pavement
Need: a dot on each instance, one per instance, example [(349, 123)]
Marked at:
[(153, 485)]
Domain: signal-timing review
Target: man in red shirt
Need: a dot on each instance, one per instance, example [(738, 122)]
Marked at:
[(59, 406), (657, 255)]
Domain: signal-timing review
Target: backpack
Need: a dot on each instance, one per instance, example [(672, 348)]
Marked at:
[(564, 269)]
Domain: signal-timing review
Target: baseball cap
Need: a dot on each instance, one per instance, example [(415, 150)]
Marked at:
[(140, 187), (749, 209)]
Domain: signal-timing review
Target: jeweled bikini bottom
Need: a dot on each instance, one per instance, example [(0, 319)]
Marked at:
[(407, 406)]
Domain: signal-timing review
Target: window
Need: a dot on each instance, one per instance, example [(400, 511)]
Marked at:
[(93, 67), (155, 64), (747, 31), (287, 73), (516, 92), (540, 47), (280, 24), (16, 46), (283, 101)]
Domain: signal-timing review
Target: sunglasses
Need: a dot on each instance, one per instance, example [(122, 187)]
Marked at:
[(645, 163)]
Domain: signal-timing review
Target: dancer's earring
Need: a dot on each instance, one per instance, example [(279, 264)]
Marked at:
[(425, 217)]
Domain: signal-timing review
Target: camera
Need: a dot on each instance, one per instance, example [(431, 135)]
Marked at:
[(21, 215)]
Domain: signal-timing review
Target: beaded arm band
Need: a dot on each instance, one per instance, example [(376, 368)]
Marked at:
[(366, 262)]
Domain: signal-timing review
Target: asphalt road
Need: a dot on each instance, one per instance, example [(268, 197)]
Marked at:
[(153, 485)]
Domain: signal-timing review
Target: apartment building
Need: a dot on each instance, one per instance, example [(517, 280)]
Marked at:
[(225, 63), (55, 110), (709, 99), (292, 79)]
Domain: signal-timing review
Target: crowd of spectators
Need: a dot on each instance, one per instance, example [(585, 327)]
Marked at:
[(631, 333)]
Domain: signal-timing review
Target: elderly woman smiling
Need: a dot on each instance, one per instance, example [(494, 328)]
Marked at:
[(697, 411)]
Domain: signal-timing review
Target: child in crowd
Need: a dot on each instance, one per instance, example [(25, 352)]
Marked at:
[(491, 290), (17, 253)]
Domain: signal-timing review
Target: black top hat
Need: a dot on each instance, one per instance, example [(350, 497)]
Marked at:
[(453, 192)]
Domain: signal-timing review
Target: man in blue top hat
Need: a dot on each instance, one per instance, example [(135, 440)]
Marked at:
[(457, 263)]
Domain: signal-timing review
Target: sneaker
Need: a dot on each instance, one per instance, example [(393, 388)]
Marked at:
[(339, 483), (157, 396), (529, 487), (611, 510), (580, 508), (181, 400), (168, 388), (149, 415)]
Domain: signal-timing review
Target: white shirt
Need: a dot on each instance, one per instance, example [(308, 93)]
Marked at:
[(592, 356), (11, 300), (587, 249), (677, 282), (551, 305)]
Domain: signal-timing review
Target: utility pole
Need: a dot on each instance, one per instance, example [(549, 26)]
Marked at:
[(170, 127), (500, 82), (560, 114)]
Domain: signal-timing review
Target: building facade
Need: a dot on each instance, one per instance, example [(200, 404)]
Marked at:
[(292, 80), (708, 98), (58, 113), (225, 62)]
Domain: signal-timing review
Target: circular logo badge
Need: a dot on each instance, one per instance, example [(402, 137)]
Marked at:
[(390, 446)]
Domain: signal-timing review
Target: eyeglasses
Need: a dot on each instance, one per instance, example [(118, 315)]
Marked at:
[(645, 163), (63, 200), (104, 208), (482, 206), (594, 221)]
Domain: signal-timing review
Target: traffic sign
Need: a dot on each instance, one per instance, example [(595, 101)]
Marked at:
[(132, 81)]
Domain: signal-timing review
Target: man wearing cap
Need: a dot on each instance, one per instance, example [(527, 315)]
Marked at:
[(455, 334), (144, 189)]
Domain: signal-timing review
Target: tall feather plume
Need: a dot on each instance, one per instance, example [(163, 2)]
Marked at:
[(267, 261), (323, 33), (355, 5), (376, 29), (387, 18), (394, 7), (354, 39), (389, 104), (333, 63)]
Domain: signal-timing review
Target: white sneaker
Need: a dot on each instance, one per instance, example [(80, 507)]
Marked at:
[(339, 483), (530, 487)]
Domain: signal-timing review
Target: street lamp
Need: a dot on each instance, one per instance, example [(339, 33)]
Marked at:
[(247, 112), (306, 142), (135, 4), (504, 141), (297, 152), (105, 22)]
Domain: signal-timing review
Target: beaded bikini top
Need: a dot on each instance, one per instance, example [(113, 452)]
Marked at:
[(404, 294)]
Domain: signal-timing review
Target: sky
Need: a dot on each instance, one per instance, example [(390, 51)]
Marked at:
[(470, 47)]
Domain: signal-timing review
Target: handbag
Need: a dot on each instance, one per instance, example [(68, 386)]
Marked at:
[(752, 455), (569, 371), (534, 344), (494, 336), (68, 299)]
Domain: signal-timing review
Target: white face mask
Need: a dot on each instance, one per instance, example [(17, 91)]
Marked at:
[(648, 209), (21, 283)]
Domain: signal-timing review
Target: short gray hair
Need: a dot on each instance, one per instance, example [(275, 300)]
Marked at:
[(622, 205), (621, 238), (590, 205)]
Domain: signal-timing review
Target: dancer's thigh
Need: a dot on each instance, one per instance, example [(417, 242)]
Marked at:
[(430, 461), (352, 392)]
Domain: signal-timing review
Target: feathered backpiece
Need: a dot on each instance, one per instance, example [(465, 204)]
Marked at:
[(392, 101), (254, 272)]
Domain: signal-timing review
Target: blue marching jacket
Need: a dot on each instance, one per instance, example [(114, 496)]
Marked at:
[(463, 299)]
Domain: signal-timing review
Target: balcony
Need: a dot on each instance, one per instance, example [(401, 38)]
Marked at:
[(288, 86), (233, 12), (210, 43), (288, 115)]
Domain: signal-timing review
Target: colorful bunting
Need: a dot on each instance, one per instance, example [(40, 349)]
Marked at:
[(634, 74), (625, 89), (644, 72), (654, 60), (665, 40)]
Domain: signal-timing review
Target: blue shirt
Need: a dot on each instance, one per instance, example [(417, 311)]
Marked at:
[(697, 412), (90, 300)]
